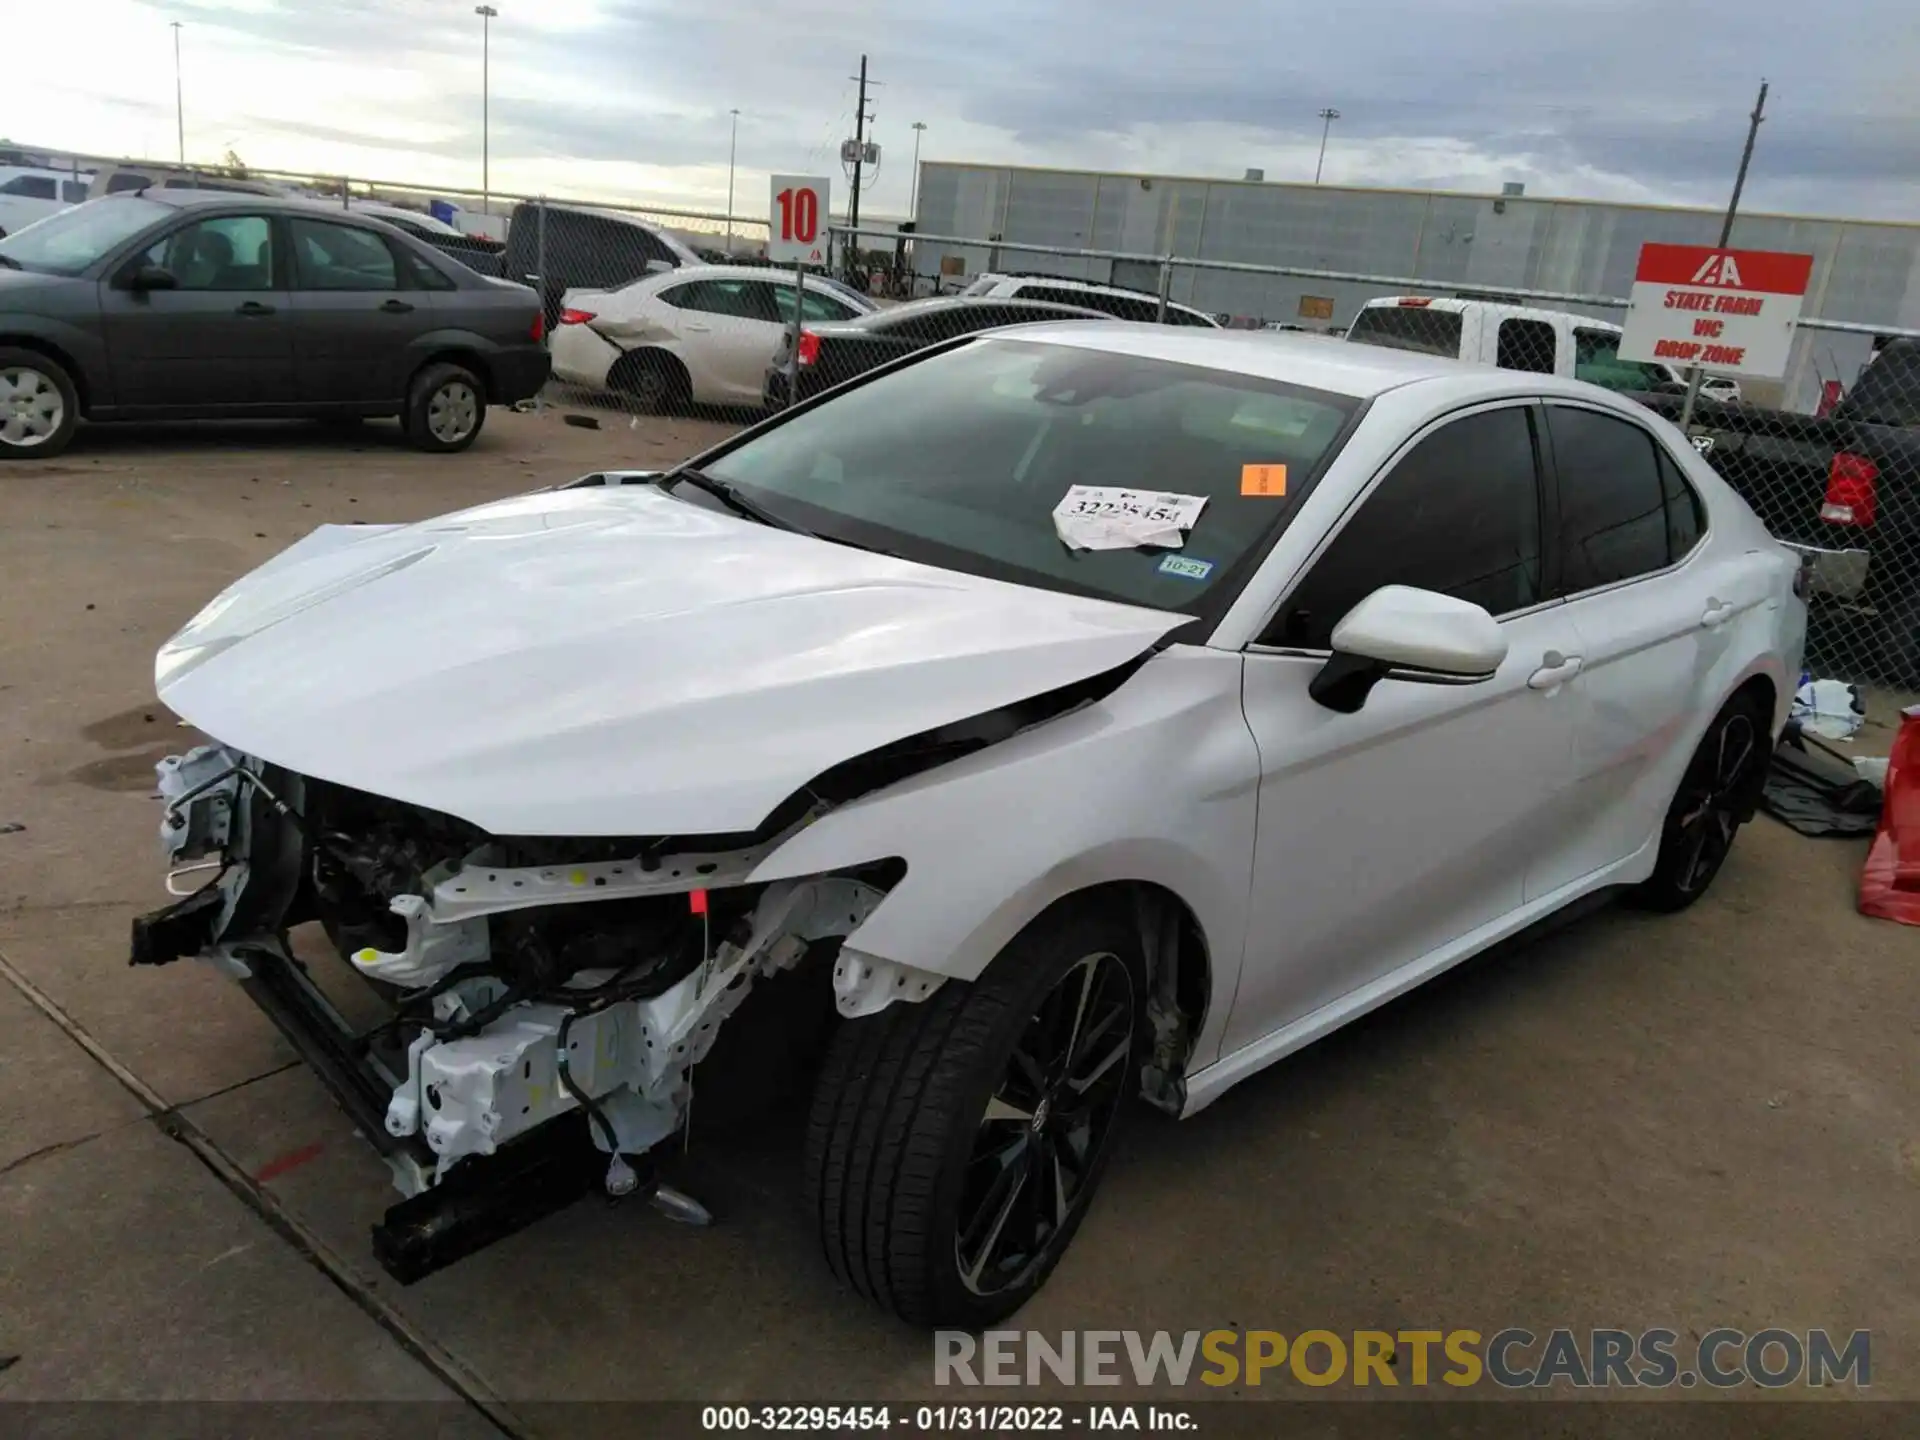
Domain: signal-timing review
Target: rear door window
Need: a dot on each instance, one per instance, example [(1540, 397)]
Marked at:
[(1613, 507), (341, 257), (1686, 515), (1596, 360), (36, 187), (1525, 345)]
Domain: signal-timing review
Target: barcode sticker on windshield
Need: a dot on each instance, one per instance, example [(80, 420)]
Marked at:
[(1107, 517)]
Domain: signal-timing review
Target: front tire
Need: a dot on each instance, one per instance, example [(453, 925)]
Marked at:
[(446, 407), (39, 406), (1716, 797), (955, 1144)]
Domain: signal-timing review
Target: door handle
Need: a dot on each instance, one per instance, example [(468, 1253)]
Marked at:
[(397, 307), (1717, 613), (702, 329), (1555, 670), (253, 307)]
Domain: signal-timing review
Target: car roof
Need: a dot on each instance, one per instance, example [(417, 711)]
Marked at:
[(1100, 286), (938, 303), (1317, 362), (242, 200), (1455, 304)]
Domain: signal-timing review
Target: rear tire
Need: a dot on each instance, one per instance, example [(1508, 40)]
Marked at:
[(955, 1144), (1716, 797), (653, 380), (39, 405), (446, 408)]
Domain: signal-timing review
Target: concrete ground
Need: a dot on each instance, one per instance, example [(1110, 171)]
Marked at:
[(1690, 1122)]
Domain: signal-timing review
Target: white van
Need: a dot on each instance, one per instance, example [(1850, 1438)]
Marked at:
[(30, 193), (1520, 337)]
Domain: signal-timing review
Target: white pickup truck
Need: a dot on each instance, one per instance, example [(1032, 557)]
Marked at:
[(1517, 337)]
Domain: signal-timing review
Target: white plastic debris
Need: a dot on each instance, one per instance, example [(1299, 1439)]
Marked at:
[(1872, 769), (1831, 709)]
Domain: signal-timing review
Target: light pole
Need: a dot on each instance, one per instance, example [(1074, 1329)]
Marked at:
[(733, 148), (913, 190), (1328, 115), (179, 108), (487, 16)]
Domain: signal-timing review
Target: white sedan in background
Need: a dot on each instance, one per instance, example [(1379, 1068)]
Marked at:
[(701, 334), (1062, 714)]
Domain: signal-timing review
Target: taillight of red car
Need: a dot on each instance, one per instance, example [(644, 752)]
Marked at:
[(809, 347), (1851, 480)]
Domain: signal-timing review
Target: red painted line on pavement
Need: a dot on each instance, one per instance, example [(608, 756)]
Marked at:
[(292, 1160)]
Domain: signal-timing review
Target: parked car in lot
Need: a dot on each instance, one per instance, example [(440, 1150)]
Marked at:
[(1056, 716), (1520, 337), (180, 304), (135, 178), (833, 351), (572, 247), (28, 194), (1844, 489), (1115, 300), (476, 252), (701, 335)]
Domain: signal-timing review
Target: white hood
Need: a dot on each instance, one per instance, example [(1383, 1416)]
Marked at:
[(611, 661)]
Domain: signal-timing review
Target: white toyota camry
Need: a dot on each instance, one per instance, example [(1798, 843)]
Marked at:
[(701, 335), (1049, 719)]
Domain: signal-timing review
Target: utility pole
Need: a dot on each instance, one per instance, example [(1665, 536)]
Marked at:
[(487, 16), (913, 190), (1694, 373), (1327, 116), (859, 153), (733, 147), (179, 107)]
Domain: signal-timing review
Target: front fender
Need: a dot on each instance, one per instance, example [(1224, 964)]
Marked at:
[(1156, 782)]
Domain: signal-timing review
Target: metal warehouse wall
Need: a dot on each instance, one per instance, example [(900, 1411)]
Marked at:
[(1863, 271)]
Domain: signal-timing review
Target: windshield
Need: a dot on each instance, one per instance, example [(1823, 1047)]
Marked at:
[(69, 241), (1408, 327), (960, 459)]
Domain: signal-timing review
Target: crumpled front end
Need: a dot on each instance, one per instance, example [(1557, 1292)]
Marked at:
[(533, 989)]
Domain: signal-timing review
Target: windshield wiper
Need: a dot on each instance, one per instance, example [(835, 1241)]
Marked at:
[(10, 262), (728, 494)]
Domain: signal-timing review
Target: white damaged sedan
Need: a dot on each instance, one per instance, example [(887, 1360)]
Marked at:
[(1049, 719)]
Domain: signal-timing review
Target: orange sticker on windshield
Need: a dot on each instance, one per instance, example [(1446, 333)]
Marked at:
[(1263, 480)]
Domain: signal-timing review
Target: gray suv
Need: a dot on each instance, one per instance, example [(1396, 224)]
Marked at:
[(179, 304)]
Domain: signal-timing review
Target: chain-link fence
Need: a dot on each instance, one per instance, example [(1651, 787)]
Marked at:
[(654, 309), (1838, 480)]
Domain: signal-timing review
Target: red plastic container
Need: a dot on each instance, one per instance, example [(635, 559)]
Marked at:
[(1890, 883)]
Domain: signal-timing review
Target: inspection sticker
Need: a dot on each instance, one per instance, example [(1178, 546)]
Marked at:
[(1263, 480), (1186, 568), (1108, 517)]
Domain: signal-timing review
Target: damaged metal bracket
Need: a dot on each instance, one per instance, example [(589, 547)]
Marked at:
[(865, 984)]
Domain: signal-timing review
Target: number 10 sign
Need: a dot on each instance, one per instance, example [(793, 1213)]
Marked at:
[(797, 222)]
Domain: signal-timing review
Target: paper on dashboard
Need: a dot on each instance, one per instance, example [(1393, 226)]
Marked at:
[(1110, 517)]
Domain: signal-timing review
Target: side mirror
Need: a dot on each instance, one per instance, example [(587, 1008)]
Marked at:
[(1406, 634), (152, 277)]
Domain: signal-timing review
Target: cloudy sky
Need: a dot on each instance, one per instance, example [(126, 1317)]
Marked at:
[(630, 99)]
